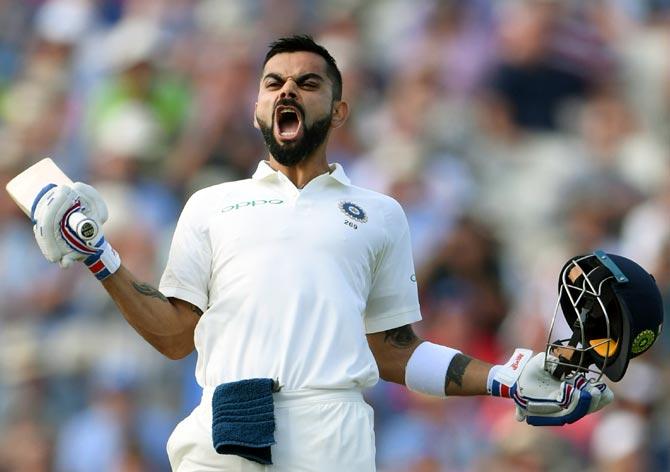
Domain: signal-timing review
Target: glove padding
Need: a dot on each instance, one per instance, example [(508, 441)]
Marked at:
[(59, 242), (542, 400), (50, 214)]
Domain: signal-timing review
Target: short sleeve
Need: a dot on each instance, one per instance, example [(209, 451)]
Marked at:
[(187, 273), (393, 300)]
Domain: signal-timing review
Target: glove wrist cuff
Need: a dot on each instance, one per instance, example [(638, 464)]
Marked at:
[(492, 374), (105, 262), (501, 378)]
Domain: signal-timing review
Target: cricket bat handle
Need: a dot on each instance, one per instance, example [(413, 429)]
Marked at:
[(85, 227)]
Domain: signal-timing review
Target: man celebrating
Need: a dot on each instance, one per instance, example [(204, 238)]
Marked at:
[(297, 290)]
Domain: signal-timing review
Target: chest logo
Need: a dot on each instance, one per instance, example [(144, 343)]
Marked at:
[(353, 211), (251, 203)]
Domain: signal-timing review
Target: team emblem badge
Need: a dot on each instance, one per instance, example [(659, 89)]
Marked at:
[(643, 341), (353, 211)]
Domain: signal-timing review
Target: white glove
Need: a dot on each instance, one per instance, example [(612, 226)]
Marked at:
[(542, 400), (59, 242)]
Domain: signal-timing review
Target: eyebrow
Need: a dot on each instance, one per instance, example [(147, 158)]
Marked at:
[(300, 78)]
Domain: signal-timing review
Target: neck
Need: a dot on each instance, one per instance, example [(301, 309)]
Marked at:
[(301, 173)]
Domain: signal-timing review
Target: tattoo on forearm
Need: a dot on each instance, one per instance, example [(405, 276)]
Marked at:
[(149, 291), (456, 370), (401, 338)]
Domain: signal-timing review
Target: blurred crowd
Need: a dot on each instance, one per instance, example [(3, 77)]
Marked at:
[(515, 134)]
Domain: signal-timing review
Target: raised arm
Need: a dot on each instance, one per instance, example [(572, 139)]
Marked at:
[(165, 323)]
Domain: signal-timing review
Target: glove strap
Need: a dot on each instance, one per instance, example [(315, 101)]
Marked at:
[(502, 378), (105, 262)]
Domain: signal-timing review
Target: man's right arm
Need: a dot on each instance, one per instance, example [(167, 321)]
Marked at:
[(166, 323)]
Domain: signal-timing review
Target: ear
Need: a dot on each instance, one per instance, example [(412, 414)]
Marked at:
[(340, 113), (255, 120)]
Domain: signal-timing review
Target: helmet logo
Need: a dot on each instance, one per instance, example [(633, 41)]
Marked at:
[(643, 341)]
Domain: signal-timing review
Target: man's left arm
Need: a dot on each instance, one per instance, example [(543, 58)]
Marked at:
[(393, 348), (540, 399), (440, 370)]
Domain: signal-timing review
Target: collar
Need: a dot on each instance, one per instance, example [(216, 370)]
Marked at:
[(265, 172)]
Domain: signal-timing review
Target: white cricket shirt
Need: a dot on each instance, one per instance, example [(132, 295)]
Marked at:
[(289, 280)]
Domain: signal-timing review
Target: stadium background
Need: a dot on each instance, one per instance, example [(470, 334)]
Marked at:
[(514, 133)]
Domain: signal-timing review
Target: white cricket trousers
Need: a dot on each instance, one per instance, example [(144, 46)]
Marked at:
[(315, 431)]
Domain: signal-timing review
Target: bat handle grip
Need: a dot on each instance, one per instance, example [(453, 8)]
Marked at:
[(85, 227)]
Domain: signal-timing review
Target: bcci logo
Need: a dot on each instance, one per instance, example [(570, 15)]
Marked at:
[(353, 211), (643, 341)]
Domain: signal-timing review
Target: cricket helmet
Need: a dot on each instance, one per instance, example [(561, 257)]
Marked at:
[(615, 312)]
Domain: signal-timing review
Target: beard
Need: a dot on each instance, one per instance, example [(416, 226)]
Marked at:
[(291, 154)]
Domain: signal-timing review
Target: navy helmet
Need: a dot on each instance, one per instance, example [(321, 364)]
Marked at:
[(615, 312)]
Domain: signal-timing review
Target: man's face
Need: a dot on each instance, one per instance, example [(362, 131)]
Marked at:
[(295, 105)]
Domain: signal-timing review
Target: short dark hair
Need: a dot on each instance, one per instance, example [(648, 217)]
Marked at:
[(303, 42)]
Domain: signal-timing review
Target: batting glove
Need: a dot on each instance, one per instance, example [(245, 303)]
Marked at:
[(542, 400), (58, 239)]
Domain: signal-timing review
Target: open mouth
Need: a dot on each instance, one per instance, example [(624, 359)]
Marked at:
[(288, 123)]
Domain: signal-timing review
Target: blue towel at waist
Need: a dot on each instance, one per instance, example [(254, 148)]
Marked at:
[(243, 420)]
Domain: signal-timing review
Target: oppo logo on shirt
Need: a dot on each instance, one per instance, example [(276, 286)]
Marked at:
[(251, 203)]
